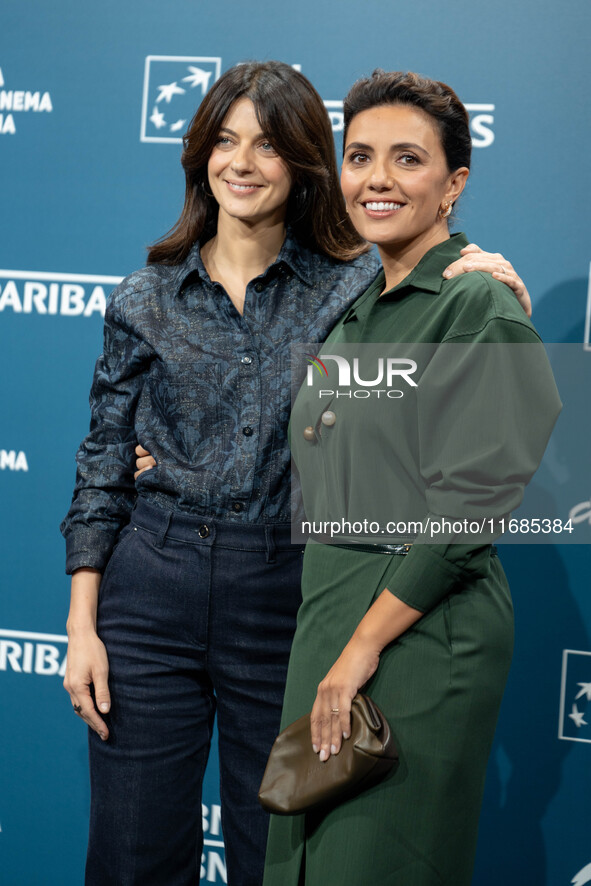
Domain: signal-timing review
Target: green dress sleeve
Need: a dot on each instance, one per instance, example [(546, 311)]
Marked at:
[(486, 406)]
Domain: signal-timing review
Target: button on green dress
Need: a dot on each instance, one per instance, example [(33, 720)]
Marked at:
[(461, 443)]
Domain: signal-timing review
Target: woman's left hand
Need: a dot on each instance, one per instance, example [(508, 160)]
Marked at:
[(474, 259), (144, 461), (330, 719)]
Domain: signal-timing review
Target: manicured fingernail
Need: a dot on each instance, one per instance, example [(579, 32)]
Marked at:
[(103, 736), (323, 756), (345, 735), (315, 748), (447, 273), (333, 748), (104, 707)]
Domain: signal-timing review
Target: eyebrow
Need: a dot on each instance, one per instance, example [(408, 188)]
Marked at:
[(235, 134), (360, 146)]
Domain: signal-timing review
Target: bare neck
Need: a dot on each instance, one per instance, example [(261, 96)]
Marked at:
[(399, 259), (238, 253)]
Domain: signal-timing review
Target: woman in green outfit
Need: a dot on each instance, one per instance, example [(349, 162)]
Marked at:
[(444, 427)]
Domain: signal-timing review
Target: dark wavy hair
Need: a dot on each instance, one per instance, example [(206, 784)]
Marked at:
[(436, 99), (293, 118)]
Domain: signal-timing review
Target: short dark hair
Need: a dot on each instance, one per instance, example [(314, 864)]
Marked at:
[(436, 99), (293, 117)]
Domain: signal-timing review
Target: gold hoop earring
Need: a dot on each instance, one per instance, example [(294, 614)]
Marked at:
[(445, 210)]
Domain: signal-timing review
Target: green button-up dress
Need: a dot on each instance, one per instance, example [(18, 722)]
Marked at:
[(466, 407)]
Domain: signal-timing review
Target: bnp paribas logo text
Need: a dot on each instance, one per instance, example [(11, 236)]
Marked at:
[(26, 652), (173, 88), (481, 117), (175, 84), (48, 293)]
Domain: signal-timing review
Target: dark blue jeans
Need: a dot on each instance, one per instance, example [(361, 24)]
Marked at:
[(197, 617)]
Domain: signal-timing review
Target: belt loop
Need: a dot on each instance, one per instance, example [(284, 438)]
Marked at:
[(162, 532), (270, 540)]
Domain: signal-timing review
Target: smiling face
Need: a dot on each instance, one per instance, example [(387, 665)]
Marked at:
[(247, 177), (395, 179)]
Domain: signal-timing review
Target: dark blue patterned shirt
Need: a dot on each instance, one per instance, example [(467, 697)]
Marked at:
[(204, 389)]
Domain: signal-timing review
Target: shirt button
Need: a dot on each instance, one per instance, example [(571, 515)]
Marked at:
[(203, 531), (247, 431), (309, 434), (328, 418), (237, 507), (246, 359), (258, 287)]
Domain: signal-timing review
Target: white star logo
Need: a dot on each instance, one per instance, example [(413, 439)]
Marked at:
[(585, 690), (198, 77), (174, 127), (157, 118), (168, 90), (577, 717), (582, 877)]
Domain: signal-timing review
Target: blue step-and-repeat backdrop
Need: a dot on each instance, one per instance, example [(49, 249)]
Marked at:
[(90, 135)]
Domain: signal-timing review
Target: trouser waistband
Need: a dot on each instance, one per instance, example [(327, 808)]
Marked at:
[(203, 530)]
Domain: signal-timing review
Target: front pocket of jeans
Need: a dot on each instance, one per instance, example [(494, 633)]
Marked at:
[(125, 536)]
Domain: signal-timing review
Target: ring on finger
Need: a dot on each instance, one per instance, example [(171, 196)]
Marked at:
[(335, 711), (77, 708), (502, 270)]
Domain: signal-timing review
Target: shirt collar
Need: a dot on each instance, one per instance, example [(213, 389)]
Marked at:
[(427, 274), (296, 257), (192, 266), (291, 254)]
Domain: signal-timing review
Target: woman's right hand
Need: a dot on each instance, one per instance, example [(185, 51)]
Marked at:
[(144, 461), (87, 666)]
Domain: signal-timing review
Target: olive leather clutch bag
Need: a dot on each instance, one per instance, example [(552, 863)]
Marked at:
[(296, 781)]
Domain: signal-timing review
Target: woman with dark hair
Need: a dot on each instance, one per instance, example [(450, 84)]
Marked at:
[(185, 584), (426, 628)]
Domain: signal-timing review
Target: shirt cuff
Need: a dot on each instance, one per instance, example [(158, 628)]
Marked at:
[(429, 573), (88, 547)]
